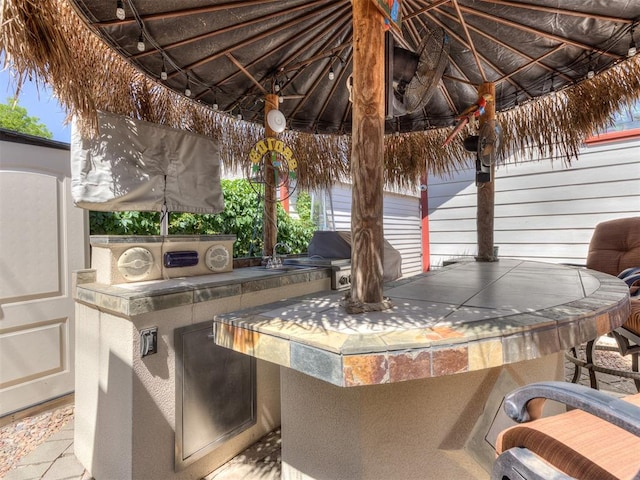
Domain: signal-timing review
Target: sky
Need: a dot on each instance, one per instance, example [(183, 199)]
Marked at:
[(40, 103)]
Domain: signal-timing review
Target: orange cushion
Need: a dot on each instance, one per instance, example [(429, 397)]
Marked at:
[(579, 444), (615, 246)]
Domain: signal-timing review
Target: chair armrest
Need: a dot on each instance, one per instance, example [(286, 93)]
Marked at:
[(629, 272), (526, 403), (630, 280)]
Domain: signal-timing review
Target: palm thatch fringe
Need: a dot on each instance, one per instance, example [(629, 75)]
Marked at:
[(46, 40)]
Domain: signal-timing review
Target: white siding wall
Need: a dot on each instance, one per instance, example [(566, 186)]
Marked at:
[(402, 224), (543, 211)]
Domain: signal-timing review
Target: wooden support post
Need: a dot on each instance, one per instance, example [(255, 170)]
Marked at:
[(367, 159), (486, 191), (270, 218)]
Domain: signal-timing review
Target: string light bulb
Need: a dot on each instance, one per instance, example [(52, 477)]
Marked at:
[(591, 74), (332, 74), (632, 46), (163, 73), (141, 46), (187, 88), (120, 13)]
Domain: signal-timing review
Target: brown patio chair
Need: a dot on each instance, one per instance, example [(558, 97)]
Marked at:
[(615, 249), (599, 440)]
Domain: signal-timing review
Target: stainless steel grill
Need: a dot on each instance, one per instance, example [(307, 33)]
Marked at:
[(340, 268)]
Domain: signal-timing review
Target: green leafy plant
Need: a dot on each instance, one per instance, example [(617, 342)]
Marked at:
[(15, 118), (242, 217)]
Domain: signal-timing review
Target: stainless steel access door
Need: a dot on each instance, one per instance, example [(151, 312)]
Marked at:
[(215, 393)]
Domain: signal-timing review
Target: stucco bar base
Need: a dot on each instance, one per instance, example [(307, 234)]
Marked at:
[(125, 416), (434, 428)]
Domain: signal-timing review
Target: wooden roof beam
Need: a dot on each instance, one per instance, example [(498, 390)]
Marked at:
[(182, 13), (250, 40), (561, 11), (478, 56), (317, 82), (285, 44), (224, 30), (516, 51), (246, 72), (419, 11), (540, 33), (470, 43)]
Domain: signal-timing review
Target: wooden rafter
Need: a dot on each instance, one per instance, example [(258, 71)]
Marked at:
[(538, 61), (413, 32), (295, 54), (447, 96), (541, 33), (319, 56), (560, 11), (250, 40), (288, 42), (419, 11), (183, 12), (530, 60), (246, 72), (321, 78), (337, 83), (228, 29), (443, 88), (479, 57), (470, 43)]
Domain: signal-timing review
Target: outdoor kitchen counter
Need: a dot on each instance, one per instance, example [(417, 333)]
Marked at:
[(154, 396), (465, 317), (139, 298), (464, 335)]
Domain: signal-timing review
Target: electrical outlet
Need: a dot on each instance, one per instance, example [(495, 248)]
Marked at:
[(148, 341)]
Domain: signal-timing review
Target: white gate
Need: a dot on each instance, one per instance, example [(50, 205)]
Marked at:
[(43, 238)]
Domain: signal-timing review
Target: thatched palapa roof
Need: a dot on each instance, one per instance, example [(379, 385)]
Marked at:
[(88, 61)]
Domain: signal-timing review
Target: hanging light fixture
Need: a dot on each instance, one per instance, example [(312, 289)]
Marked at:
[(632, 46), (163, 73), (187, 88), (590, 72), (141, 46), (120, 13)]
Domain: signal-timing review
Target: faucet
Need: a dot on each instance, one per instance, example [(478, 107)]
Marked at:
[(274, 261)]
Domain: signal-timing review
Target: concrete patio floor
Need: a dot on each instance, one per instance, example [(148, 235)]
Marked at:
[(54, 459)]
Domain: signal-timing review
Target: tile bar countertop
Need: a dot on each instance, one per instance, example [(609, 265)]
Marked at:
[(464, 317), (139, 298)]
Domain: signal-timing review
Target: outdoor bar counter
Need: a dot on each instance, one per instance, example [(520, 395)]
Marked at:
[(415, 391)]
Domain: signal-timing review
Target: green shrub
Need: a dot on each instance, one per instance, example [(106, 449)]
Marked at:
[(242, 216)]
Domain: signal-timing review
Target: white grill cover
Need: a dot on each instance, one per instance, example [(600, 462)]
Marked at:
[(136, 165)]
